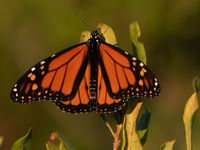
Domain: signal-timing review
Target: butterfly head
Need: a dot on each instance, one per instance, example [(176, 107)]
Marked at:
[(94, 40), (94, 36)]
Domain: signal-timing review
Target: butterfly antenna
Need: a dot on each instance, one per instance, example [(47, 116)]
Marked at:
[(81, 19), (117, 13)]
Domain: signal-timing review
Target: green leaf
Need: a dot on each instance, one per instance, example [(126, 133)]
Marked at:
[(190, 110), (51, 146), (63, 144), (123, 143), (168, 145), (24, 143), (142, 135), (107, 33), (196, 84), (138, 47), (142, 126), (112, 118), (1, 140), (85, 35), (132, 138)]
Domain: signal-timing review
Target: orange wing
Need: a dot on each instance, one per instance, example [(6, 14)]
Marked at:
[(125, 76), (120, 76), (104, 102), (81, 102), (57, 77), (65, 77)]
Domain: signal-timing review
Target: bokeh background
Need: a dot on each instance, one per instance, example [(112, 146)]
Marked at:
[(31, 30)]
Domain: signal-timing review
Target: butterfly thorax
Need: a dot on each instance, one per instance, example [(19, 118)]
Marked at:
[(93, 44)]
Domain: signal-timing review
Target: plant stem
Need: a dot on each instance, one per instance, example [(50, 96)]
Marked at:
[(116, 142)]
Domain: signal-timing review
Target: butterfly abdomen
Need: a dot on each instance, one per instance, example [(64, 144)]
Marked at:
[(93, 79)]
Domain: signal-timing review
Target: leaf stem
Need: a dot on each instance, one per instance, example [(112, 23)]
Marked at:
[(117, 137), (111, 130)]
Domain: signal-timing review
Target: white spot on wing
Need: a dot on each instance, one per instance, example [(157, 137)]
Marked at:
[(141, 64), (42, 62), (15, 89), (126, 53), (156, 83), (53, 55), (32, 69), (134, 58)]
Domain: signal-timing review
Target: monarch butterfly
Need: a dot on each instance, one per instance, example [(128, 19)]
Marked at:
[(90, 76)]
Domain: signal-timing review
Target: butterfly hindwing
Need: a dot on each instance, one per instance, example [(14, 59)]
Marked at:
[(104, 102), (51, 78), (81, 102)]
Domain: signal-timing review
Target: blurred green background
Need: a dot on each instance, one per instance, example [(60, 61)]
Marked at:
[(31, 30)]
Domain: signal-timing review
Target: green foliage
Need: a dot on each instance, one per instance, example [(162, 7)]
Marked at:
[(196, 84), (142, 126), (85, 35), (190, 110), (168, 145), (50, 146), (138, 47), (62, 145), (24, 143), (130, 124), (107, 33)]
